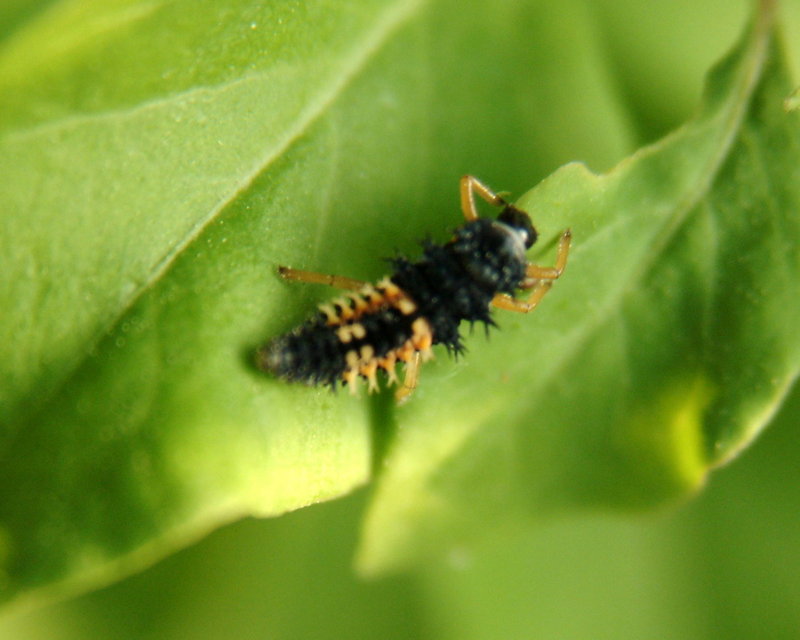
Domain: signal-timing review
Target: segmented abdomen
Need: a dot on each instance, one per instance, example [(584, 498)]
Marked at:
[(352, 336)]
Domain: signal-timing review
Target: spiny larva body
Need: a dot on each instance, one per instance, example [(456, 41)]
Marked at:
[(420, 305)]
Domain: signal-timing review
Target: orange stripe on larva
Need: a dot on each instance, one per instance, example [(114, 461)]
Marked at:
[(364, 363), (368, 371), (388, 364), (356, 304), (422, 338)]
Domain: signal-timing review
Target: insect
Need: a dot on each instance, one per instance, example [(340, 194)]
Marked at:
[(398, 319)]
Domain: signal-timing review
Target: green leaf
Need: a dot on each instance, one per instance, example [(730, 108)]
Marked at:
[(108, 115), (662, 351), (157, 161)]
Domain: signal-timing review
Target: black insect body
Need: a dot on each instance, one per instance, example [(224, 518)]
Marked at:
[(420, 305)]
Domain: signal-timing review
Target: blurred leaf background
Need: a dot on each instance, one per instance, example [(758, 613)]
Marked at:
[(724, 565)]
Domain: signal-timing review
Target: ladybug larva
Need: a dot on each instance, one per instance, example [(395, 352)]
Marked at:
[(422, 304)]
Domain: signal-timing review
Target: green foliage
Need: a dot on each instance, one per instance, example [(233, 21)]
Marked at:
[(158, 160), (659, 355), (685, 574)]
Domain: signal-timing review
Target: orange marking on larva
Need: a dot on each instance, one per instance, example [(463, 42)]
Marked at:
[(367, 300), (358, 331), (371, 294), (422, 337), (397, 298), (391, 290), (355, 305), (367, 353), (345, 309), (405, 352), (330, 313), (420, 326), (359, 304), (368, 371), (351, 377), (405, 305), (388, 364), (363, 362), (424, 342)]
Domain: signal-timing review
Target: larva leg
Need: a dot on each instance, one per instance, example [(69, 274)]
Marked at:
[(510, 303), (470, 185), (410, 380), (534, 272), (339, 282), (538, 279)]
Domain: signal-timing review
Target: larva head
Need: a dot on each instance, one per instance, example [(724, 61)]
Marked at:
[(520, 221)]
